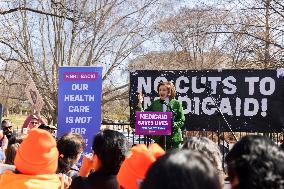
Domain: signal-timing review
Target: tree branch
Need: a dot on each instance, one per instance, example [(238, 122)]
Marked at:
[(35, 11), (251, 35), (116, 97), (113, 90)]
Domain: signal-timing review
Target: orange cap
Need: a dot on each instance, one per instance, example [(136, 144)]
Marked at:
[(135, 167), (37, 154)]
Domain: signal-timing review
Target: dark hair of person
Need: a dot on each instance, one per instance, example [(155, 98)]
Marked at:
[(181, 170), (111, 148), (257, 162), (43, 126), (13, 145), (15, 139), (69, 146), (5, 121), (10, 153), (170, 86)]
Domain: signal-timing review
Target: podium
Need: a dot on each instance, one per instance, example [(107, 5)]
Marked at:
[(154, 124)]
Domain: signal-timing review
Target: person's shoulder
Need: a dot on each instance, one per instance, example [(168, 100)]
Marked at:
[(78, 182), (5, 167), (156, 101), (72, 173), (101, 180), (79, 179), (176, 104), (175, 101)]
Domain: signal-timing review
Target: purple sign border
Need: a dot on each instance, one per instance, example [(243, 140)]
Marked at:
[(151, 128)]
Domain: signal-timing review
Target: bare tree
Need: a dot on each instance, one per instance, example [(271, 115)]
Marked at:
[(232, 34), (12, 88), (195, 32), (43, 35), (259, 22)]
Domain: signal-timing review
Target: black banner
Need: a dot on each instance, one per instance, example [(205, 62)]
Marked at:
[(251, 100)]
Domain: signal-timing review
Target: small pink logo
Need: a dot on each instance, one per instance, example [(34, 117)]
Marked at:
[(77, 76)]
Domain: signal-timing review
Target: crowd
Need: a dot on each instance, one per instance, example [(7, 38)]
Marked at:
[(36, 160)]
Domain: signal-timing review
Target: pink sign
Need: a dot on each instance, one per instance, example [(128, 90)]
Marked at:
[(77, 76)]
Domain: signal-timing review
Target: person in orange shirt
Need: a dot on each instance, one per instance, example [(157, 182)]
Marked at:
[(134, 168), (36, 163)]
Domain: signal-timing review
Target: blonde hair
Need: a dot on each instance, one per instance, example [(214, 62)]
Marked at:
[(170, 86)]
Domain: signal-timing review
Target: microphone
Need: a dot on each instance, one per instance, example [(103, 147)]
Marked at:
[(162, 101), (168, 106)]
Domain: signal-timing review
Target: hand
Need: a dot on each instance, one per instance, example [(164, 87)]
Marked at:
[(140, 98), (5, 143), (37, 113), (87, 165), (65, 180)]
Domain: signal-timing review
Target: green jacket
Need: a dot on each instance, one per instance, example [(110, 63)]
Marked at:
[(175, 138)]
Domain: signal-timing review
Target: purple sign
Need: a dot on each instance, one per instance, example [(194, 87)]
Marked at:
[(153, 123), (79, 102)]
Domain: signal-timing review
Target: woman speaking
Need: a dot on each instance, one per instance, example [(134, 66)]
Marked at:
[(167, 103)]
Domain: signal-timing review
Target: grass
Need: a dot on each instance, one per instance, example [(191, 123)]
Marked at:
[(17, 120)]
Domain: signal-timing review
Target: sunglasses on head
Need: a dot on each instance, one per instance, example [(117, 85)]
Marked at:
[(6, 128)]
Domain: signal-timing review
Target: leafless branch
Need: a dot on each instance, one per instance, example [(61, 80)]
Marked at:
[(35, 11)]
